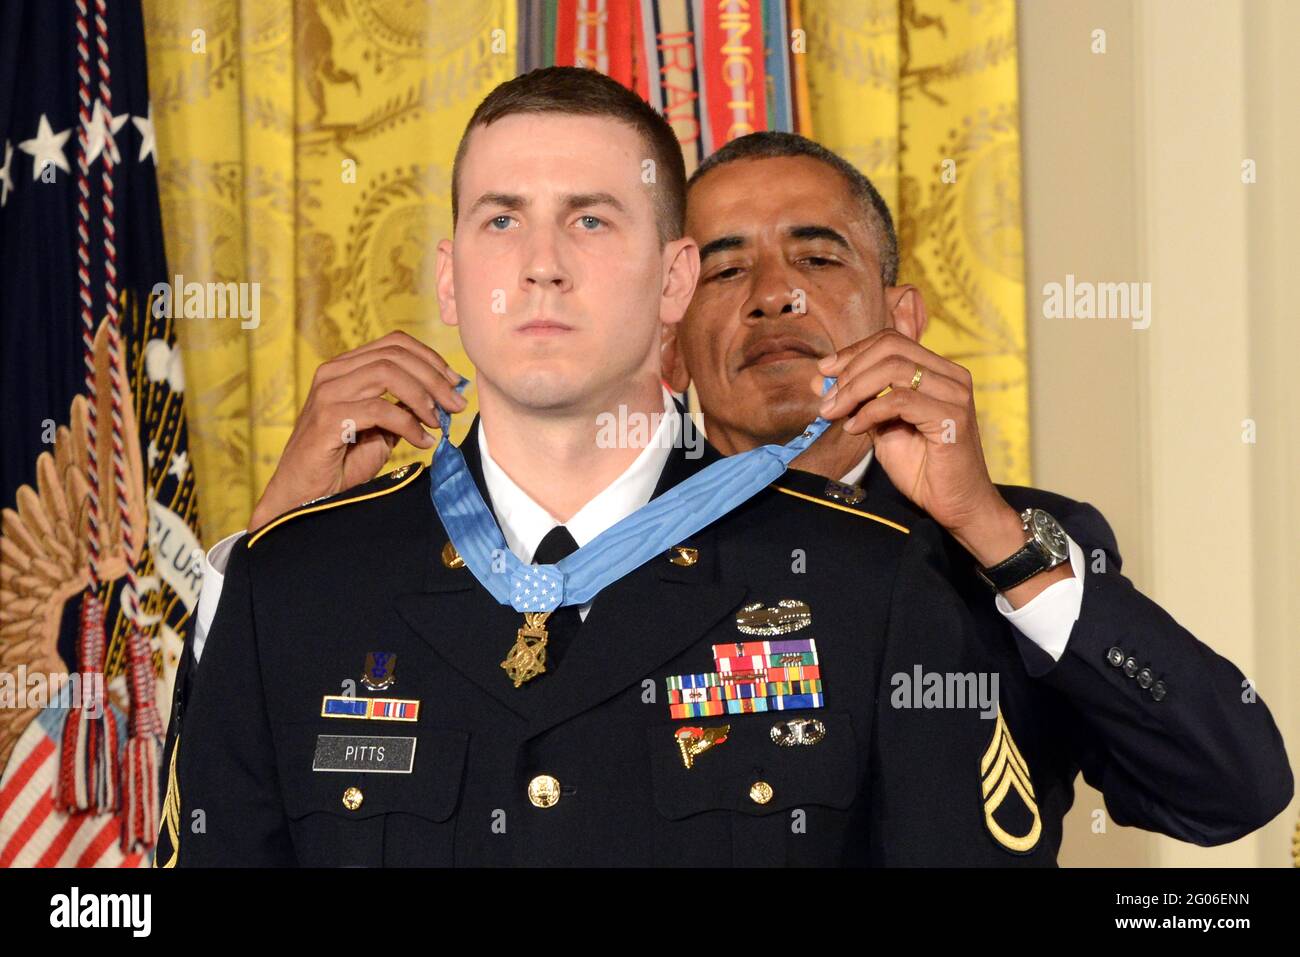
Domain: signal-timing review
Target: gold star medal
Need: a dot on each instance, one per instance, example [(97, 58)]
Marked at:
[(527, 659)]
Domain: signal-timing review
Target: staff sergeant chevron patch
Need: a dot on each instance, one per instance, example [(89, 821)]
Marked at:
[(1002, 770)]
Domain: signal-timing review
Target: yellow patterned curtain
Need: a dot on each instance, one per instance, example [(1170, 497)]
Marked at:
[(306, 148), (921, 96)]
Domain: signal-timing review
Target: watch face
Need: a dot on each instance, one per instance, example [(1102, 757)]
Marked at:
[(1048, 532)]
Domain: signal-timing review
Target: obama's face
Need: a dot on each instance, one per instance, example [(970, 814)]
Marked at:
[(788, 273)]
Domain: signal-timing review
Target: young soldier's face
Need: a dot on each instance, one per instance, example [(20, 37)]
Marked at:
[(788, 273), (557, 279)]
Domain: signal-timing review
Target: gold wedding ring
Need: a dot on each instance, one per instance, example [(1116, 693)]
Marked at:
[(916, 379)]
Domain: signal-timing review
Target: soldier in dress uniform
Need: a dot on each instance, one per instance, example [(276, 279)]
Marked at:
[(646, 740), (367, 698)]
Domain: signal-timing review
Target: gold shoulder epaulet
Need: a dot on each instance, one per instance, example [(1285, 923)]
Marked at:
[(845, 499), (384, 485)]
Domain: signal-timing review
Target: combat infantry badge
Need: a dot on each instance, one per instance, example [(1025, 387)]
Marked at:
[(788, 615)]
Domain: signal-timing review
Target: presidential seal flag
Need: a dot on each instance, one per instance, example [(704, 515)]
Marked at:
[(99, 555)]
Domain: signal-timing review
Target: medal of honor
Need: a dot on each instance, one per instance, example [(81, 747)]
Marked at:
[(537, 590), (527, 658)]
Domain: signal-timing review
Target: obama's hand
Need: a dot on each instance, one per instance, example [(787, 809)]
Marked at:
[(347, 430), (919, 409)]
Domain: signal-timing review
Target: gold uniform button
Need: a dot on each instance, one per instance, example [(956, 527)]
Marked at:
[(450, 557), (760, 792), (544, 791), (352, 798)]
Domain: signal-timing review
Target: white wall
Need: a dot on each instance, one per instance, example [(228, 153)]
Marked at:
[(1132, 173)]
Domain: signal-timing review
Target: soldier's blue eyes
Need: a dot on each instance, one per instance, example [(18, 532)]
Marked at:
[(588, 223)]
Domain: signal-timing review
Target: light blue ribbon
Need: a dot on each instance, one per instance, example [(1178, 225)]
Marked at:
[(649, 531)]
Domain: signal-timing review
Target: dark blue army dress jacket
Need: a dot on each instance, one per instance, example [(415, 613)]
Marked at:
[(748, 698)]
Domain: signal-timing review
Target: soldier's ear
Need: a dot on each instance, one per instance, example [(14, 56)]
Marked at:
[(672, 364), (446, 283), (681, 271), (906, 308)]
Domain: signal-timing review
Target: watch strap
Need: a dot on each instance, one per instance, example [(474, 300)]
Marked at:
[(1020, 567)]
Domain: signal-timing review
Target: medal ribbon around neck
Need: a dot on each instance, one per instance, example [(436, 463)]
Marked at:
[(649, 531)]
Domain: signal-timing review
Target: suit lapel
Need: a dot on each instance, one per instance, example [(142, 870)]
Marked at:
[(643, 620), (457, 617), (636, 625)]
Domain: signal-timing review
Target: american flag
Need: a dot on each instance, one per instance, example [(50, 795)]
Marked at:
[(33, 832), (98, 530)]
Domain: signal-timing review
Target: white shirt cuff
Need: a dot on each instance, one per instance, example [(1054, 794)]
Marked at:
[(1049, 617), (214, 577)]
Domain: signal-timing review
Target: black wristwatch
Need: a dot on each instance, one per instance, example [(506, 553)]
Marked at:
[(1047, 547)]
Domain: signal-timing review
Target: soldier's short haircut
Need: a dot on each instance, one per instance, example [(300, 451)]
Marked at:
[(576, 91), (769, 145)]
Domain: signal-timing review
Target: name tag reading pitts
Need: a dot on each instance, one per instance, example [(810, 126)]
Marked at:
[(357, 752)]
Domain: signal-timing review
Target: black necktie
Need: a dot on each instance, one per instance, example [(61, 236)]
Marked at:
[(562, 625)]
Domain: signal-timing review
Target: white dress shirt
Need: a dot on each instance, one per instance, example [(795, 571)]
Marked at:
[(524, 523), (1046, 620)]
